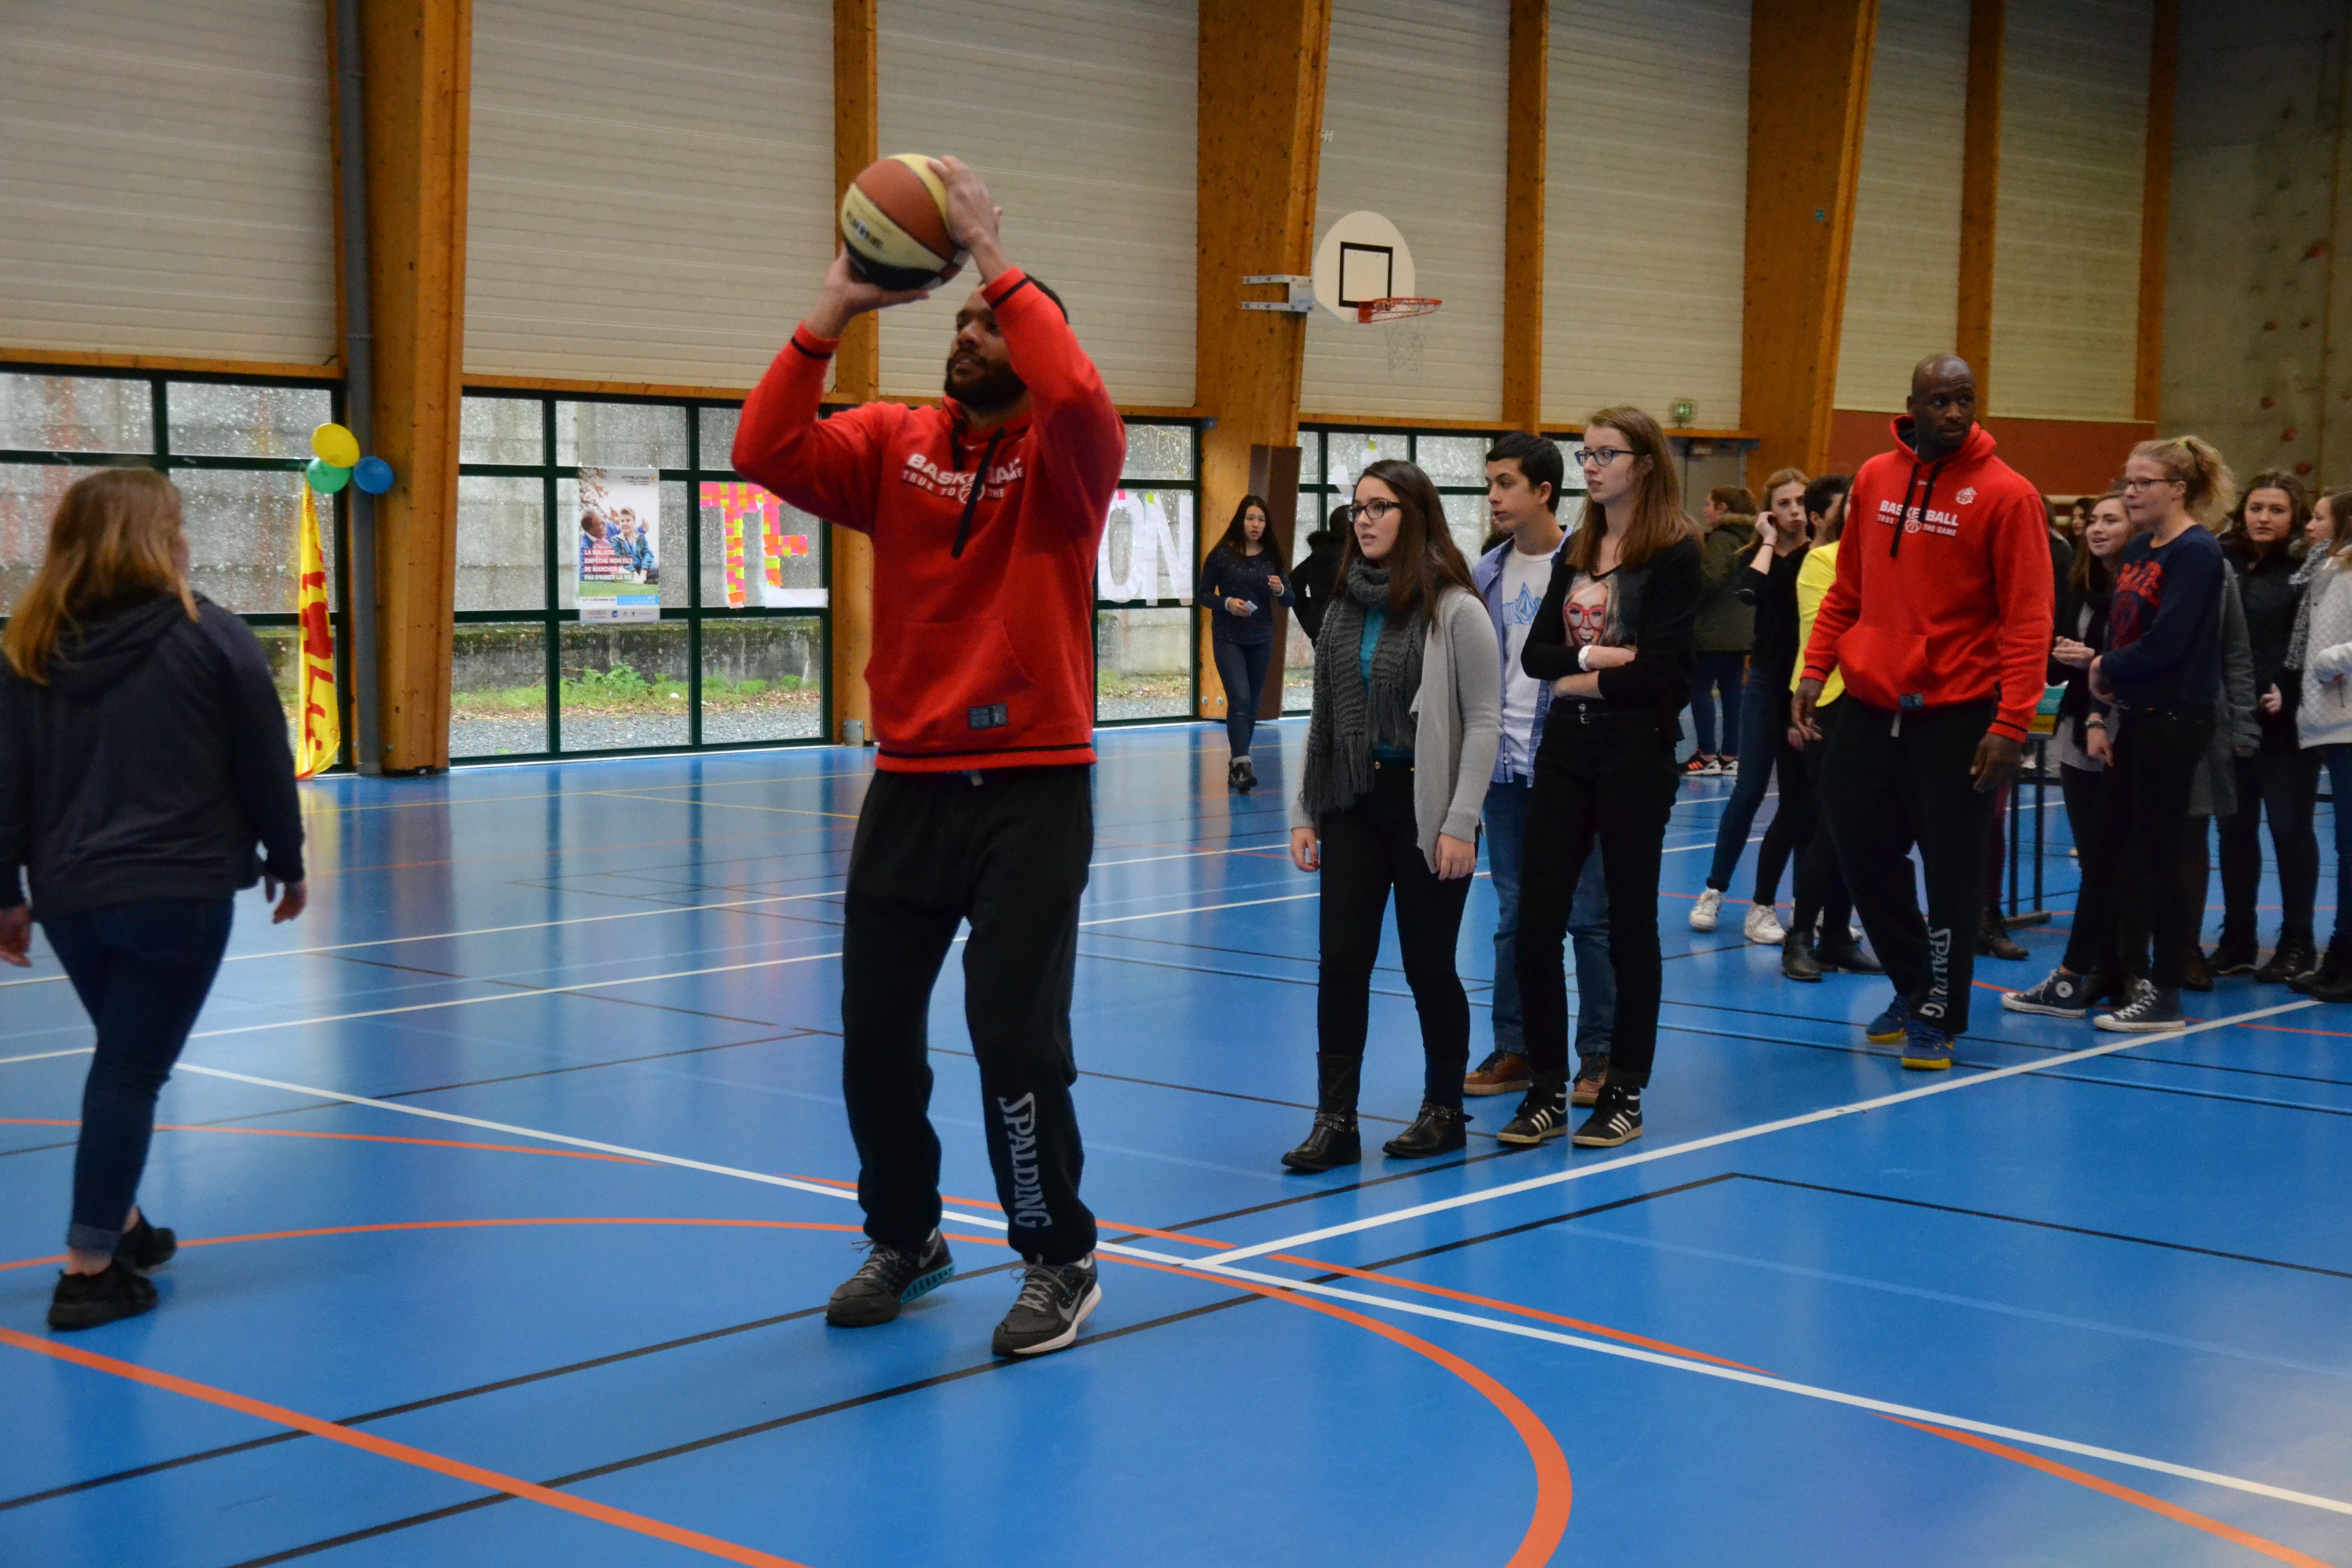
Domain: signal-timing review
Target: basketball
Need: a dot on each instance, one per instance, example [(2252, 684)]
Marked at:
[(894, 219)]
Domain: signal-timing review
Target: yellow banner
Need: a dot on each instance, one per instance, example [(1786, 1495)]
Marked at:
[(322, 732)]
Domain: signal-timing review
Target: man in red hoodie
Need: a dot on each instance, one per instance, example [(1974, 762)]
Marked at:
[(1940, 621), (985, 514)]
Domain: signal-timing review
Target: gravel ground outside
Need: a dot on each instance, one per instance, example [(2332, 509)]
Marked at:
[(793, 718)]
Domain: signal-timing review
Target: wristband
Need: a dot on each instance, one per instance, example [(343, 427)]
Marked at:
[(1579, 657)]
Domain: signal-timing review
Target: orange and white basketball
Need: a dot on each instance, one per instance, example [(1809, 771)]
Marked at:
[(894, 218)]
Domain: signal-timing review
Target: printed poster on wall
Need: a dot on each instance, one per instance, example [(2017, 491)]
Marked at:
[(618, 545)]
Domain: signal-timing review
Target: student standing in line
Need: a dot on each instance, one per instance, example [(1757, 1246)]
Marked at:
[(1524, 475), (142, 756), (2212, 788), (1940, 620), (986, 513), (2094, 967), (1614, 636), (1770, 583), (2280, 779), (2322, 650), (1727, 627), (1240, 585), (1820, 929), (1400, 746), (1315, 577), (2162, 671)]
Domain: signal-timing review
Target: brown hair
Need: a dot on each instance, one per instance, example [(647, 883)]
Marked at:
[(2298, 499), (2339, 513), (1734, 499), (1783, 476), (1656, 519), (110, 544), (2087, 566), (1236, 536), (2209, 488), (1424, 558)]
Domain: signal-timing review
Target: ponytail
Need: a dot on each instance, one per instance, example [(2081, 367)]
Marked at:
[(2209, 489)]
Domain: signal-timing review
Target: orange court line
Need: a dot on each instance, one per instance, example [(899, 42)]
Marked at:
[(2173, 1512), (385, 1447), (354, 1137), (2284, 1029)]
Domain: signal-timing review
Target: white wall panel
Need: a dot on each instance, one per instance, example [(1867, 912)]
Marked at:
[(1646, 221), (1080, 114), (2073, 127), (652, 186), (1414, 115), (1903, 284), (165, 178)]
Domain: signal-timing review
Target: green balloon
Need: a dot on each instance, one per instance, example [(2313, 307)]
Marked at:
[(325, 477)]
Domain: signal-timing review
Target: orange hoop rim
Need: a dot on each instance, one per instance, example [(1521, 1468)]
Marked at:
[(1395, 308)]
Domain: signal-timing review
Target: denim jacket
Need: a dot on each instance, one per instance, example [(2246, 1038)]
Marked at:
[(1487, 575)]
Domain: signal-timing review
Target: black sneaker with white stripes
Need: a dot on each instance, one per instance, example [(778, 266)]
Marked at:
[(2060, 995), (890, 1278), (1543, 1114), (2149, 1011), (1616, 1119), (1055, 1300)]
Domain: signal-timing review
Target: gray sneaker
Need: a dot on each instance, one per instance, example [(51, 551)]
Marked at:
[(890, 1278), (2148, 1011), (1055, 1300), (2060, 995)]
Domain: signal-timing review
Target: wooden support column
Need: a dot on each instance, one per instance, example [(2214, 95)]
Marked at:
[(1980, 190), (2156, 209), (1805, 159), (1263, 64), (418, 100), (857, 367), (1528, 123)]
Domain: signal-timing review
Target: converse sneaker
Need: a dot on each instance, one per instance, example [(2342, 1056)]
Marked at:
[(890, 1278), (1763, 926), (1055, 1300), (1926, 1047), (1587, 1087), (86, 1301), (1702, 913), (2060, 995), (1542, 1114), (1616, 1119), (2149, 1011), (2234, 954), (1504, 1072), (1889, 1026)]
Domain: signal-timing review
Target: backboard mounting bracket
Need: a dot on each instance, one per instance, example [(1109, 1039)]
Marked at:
[(1298, 293)]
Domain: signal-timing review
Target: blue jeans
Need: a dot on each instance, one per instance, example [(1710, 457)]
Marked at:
[(1588, 929), (1719, 672), (1759, 716), (143, 971), (1242, 666), (2338, 762)]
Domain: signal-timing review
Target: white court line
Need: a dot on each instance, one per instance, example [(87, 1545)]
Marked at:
[(44, 1056), (1198, 1269), (1198, 909), (1738, 1135)]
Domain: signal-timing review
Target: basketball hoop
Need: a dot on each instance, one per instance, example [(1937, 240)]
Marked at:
[(1395, 308)]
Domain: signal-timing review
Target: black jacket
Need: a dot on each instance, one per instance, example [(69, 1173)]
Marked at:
[(148, 767), (2078, 703), (1656, 613), (1225, 575), (2265, 584), (1774, 594), (1315, 579)]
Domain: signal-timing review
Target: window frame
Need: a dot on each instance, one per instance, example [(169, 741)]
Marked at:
[(1191, 486)]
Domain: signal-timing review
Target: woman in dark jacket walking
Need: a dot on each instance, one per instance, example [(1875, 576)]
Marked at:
[(143, 755), (1240, 585)]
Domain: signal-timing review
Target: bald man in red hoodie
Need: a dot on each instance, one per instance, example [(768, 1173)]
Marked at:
[(1940, 621), (985, 514)]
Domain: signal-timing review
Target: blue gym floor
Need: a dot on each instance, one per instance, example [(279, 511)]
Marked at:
[(510, 1184)]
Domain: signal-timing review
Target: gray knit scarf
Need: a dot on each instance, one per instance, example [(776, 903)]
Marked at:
[(2299, 644), (1348, 721)]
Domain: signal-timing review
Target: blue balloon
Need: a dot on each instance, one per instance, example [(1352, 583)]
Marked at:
[(372, 474)]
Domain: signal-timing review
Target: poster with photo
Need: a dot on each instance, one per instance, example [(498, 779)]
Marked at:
[(616, 544)]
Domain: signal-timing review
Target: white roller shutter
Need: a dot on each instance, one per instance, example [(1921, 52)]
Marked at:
[(1080, 114), (2074, 128), (1646, 207), (652, 186), (1903, 286), (1414, 120), (167, 182)]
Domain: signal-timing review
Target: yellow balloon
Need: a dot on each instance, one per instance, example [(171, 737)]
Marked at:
[(333, 444)]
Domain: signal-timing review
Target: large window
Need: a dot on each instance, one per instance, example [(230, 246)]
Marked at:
[(568, 508), (1145, 645), (235, 447)]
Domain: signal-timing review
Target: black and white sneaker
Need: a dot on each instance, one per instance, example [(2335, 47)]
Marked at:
[(890, 1278), (2148, 1011), (1055, 1300), (2060, 995), (1616, 1119), (1543, 1114)]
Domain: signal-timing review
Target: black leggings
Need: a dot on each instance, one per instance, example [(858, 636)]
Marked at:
[(2091, 944), (1242, 666), (1822, 898), (2285, 785), (1368, 848), (2157, 755)]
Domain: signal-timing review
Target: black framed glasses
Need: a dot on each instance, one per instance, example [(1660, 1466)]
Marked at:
[(1378, 511), (1600, 457)]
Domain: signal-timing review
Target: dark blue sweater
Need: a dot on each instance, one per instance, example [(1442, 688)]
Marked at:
[(2164, 626), (1225, 575)]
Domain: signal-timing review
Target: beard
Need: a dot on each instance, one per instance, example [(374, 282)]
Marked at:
[(982, 387)]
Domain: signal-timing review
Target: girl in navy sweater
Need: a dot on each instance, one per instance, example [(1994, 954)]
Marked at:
[(1240, 585)]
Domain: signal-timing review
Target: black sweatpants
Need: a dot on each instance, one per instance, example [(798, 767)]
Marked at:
[(1609, 780), (2157, 755), (1824, 907), (2283, 786), (2105, 876), (1006, 849), (1890, 781), (1368, 849), (1242, 666)]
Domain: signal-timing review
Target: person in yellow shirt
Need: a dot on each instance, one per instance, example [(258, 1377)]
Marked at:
[(1806, 953)]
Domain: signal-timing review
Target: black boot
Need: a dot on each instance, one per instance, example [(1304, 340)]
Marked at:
[(2234, 953), (1993, 939), (1333, 1140), (2294, 957), (2332, 981), (2194, 974), (1797, 956), (1243, 776), (1438, 1130), (1838, 954)]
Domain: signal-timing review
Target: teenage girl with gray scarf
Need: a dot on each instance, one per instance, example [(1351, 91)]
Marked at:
[(1401, 742)]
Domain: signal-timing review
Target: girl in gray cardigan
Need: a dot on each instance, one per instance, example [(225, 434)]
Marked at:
[(1406, 719)]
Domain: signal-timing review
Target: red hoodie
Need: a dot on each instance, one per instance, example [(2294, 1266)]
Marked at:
[(1943, 591), (983, 614)]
